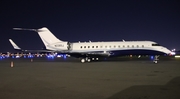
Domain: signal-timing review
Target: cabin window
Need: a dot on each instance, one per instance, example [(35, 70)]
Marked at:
[(156, 45), (84, 46), (114, 46), (81, 46), (128, 46), (132, 45), (88, 46), (137, 45), (101, 46), (96, 46), (92, 46), (109, 46), (123, 46), (105, 46), (119, 46), (142, 45)]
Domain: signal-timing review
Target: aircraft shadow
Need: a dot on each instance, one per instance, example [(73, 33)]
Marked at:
[(169, 91)]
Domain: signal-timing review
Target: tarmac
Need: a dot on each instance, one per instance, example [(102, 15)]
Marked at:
[(69, 79)]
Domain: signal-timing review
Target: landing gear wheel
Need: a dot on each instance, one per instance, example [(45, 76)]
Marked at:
[(155, 61), (88, 60), (83, 60), (97, 58)]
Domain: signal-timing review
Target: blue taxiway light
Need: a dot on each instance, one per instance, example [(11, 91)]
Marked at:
[(64, 57), (152, 57), (50, 56)]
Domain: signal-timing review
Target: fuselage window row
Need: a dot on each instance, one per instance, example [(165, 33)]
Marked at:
[(110, 46)]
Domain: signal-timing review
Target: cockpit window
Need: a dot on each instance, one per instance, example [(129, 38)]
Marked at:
[(156, 44)]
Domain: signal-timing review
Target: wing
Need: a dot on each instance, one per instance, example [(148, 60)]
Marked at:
[(16, 47)]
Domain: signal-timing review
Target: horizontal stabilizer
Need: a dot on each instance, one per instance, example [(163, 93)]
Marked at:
[(14, 45), (25, 29)]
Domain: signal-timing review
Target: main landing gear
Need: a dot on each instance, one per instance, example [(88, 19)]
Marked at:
[(156, 59), (83, 60)]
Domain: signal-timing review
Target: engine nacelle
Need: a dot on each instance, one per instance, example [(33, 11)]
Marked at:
[(64, 46)]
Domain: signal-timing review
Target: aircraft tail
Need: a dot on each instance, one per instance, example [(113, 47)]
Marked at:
[(14, 45), (47, 37)]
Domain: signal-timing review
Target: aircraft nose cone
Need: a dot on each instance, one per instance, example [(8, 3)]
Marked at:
[(172, 53)]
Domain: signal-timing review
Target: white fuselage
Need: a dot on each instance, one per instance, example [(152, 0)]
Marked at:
[(136, 47)]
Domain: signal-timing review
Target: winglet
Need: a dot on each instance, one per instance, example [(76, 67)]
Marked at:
[(14, 45)]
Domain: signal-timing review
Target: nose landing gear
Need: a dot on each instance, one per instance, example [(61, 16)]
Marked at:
[(156, 59)]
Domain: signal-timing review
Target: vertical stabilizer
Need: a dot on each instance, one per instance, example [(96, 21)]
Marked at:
[(47, 37)]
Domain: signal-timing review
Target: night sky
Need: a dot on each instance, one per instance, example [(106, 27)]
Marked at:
[(95, 20)]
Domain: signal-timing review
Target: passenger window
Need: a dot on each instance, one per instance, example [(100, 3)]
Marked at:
[(156, 45)]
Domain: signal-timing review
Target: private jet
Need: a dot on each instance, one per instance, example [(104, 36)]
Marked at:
[(89, 51)]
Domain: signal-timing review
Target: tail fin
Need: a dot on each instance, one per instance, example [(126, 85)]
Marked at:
[(14, 45), (47, 37)]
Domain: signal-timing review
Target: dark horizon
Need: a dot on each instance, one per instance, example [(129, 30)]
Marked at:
[(95, 20)]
